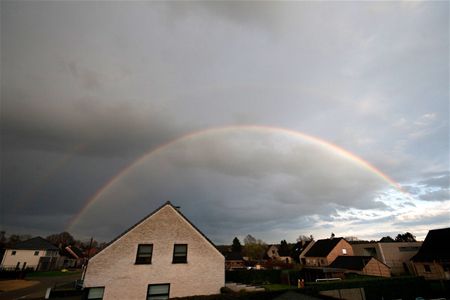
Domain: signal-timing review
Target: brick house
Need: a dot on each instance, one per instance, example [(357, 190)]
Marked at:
[(162, 256), (234, 260), (36, 253), (273, 252), (324, 252), (364, 265), (433, 259), (396, 255)]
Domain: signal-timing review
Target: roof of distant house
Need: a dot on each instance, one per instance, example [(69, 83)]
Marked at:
[(322, 248), (356, 263), (233, 256), (284, 252), (435, 246), (37, 243), (224, 249)]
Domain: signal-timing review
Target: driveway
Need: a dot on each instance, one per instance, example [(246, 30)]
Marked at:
[(38, 290)]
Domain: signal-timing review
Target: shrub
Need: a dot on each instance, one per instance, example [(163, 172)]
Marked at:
[(254, 276)]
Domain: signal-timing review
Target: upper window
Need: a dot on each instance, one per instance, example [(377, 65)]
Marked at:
[(180, 254), (13, 252), (95, 293), (36, 253), (344, 251), (158, 291), (144, 254)]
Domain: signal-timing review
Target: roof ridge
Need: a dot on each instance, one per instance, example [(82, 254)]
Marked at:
[(167, 203)]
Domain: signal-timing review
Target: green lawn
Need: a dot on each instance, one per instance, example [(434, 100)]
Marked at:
[(277, 287), (51, 273)]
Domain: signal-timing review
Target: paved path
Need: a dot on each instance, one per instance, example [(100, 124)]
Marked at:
[(38, 290)]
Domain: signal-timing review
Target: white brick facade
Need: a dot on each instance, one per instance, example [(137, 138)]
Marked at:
[(114, 268)]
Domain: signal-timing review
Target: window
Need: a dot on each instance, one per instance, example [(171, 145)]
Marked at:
[(344, 251), (427, 268), (180, 254), (13, 252), (158, 291), (36, 253), (96, 293), (144, 254)]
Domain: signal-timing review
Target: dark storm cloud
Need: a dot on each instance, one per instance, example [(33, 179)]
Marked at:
[(439, 218), (438, 195), (88, 87), (438, 181)]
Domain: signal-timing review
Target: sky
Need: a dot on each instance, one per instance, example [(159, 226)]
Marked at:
[(275, 119)]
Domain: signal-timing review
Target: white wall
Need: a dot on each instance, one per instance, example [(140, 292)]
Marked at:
[(10, 261), (114, 268)]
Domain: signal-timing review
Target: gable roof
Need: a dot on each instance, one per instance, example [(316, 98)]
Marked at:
[(435, 246), (234, 256), (36, 243), (356, 263), (322, 248), (150, 215)]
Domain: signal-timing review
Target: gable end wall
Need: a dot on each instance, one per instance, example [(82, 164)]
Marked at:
[(115, 269)]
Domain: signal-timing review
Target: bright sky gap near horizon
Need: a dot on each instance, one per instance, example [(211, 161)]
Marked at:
[(88, 88)]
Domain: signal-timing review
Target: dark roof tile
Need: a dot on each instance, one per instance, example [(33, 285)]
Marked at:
[(356, 263), (435, 247), (37, 243), (322, 248)]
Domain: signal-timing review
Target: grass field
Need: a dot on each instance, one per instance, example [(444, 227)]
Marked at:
[(277, 287)]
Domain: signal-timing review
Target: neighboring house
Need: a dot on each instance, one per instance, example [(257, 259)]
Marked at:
[(396, 255), (364, 265), (324, 252), (273, 252), (234, 260), (162, 256), (433, 259), (36, 253), (304, 247)]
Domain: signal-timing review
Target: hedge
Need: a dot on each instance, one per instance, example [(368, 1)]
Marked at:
[(253, 276)]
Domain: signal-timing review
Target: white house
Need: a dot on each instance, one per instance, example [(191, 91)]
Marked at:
[(162, 256), (36, 253)]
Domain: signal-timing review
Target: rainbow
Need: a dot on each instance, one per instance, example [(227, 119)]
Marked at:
[(218, 130)]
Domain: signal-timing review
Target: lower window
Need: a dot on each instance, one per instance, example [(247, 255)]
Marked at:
[(96, 293), (158, 291)]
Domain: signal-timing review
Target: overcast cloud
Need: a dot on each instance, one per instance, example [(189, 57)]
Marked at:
[(89, 87)]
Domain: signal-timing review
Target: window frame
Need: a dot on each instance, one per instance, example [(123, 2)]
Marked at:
[(36, 253), (95, 287), (143, 262), (13, 252), (158, 284), (178, 260)]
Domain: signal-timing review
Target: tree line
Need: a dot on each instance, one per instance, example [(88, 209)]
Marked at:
[(60, 240)]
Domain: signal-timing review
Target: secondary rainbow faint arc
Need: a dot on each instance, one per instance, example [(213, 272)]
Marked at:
[(216, 130)]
